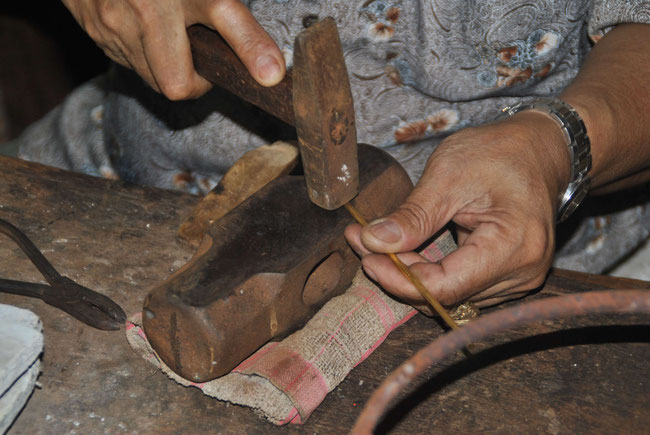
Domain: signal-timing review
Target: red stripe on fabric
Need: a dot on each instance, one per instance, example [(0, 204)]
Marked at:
[(338, 329), (299, 378), (294, 375), (358, 291), (244, 365), (386, 315), (134, 320), (433, 252), (291, 416), (383, 337), (275, 368)]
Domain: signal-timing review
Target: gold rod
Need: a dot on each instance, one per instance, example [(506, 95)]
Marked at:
[(403, 268)]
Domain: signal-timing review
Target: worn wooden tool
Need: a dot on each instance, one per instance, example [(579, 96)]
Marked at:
[(315, 97), (262, 270), (250, 173)]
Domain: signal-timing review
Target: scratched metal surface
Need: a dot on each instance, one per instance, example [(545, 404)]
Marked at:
[(119, 240)]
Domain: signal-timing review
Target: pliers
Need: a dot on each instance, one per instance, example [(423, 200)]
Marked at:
[(88, 306)]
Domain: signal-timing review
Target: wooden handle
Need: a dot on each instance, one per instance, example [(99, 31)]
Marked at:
[(218, 63)]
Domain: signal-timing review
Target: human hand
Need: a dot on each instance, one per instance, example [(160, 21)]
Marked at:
[(149, 36), (499, 184)]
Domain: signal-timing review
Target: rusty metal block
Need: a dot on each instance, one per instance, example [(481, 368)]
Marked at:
[(262, 271)]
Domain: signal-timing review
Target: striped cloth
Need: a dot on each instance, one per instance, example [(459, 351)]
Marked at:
[(285, 381)]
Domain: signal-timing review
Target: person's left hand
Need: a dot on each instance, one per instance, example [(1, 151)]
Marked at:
[(499, 184)]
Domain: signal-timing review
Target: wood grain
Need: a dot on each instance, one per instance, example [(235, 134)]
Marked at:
[(118, 239)]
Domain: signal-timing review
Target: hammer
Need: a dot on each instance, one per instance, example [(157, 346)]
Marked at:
[(314, 97), (263, 269)]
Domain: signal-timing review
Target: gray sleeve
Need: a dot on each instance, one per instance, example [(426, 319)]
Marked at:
[(604, 15)]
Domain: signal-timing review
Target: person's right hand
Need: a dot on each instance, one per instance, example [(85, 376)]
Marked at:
[(499, 184), (149, 36)]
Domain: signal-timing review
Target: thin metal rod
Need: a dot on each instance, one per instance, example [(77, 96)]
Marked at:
[(403, 268), (31, 251), (30, 289), (90, 307), (615, 301)]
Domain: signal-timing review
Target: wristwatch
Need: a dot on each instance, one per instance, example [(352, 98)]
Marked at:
[(578, 144)]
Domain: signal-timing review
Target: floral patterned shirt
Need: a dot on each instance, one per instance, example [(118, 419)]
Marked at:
[(419, 70)]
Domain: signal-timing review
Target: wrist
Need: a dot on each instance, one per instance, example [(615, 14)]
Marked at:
[(549, 146), (576, 144), (600, 125)]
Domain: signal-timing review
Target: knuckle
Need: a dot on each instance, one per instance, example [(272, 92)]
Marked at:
[(109, 15), (143, 9), (448, 298), (414, 216), (446, 294), (176, 90), (537, 281), (220, 8), (94, 34), (250, 40)]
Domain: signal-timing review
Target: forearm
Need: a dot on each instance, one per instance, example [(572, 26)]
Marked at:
[(611, 94)]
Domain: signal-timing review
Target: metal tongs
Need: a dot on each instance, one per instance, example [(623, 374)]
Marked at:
[(88, 306)]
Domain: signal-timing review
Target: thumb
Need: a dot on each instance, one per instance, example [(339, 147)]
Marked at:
[(418, 218)]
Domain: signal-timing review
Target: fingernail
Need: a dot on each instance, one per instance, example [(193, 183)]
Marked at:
[(268, 68), (386, 231)]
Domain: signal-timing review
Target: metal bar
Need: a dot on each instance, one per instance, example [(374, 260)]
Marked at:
[(615, 301), (31, 251)]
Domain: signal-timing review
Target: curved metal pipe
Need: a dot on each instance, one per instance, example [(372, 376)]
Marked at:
[(617, 301)]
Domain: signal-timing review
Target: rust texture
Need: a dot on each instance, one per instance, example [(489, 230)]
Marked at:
[(619, 301), (252, 171), (262, 271), (119, 239), (315, 97), (324, 111)]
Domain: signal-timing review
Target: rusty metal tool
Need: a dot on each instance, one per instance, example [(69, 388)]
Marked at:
[(595, 302), (88, 306), (262, 271), (323, 114), (314, 96), (250, 173)]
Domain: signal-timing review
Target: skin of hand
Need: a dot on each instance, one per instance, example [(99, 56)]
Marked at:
[(499, 184), (149, 36), (502, 202)]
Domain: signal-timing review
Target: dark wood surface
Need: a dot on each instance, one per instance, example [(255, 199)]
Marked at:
[(118, 239)]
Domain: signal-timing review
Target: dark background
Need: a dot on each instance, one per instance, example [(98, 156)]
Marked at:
[(44, 54)]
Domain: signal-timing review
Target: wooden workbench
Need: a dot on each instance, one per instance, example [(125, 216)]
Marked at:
[(118, 239)]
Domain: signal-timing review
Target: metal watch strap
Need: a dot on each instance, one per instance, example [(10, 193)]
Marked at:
[(578, 143)]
